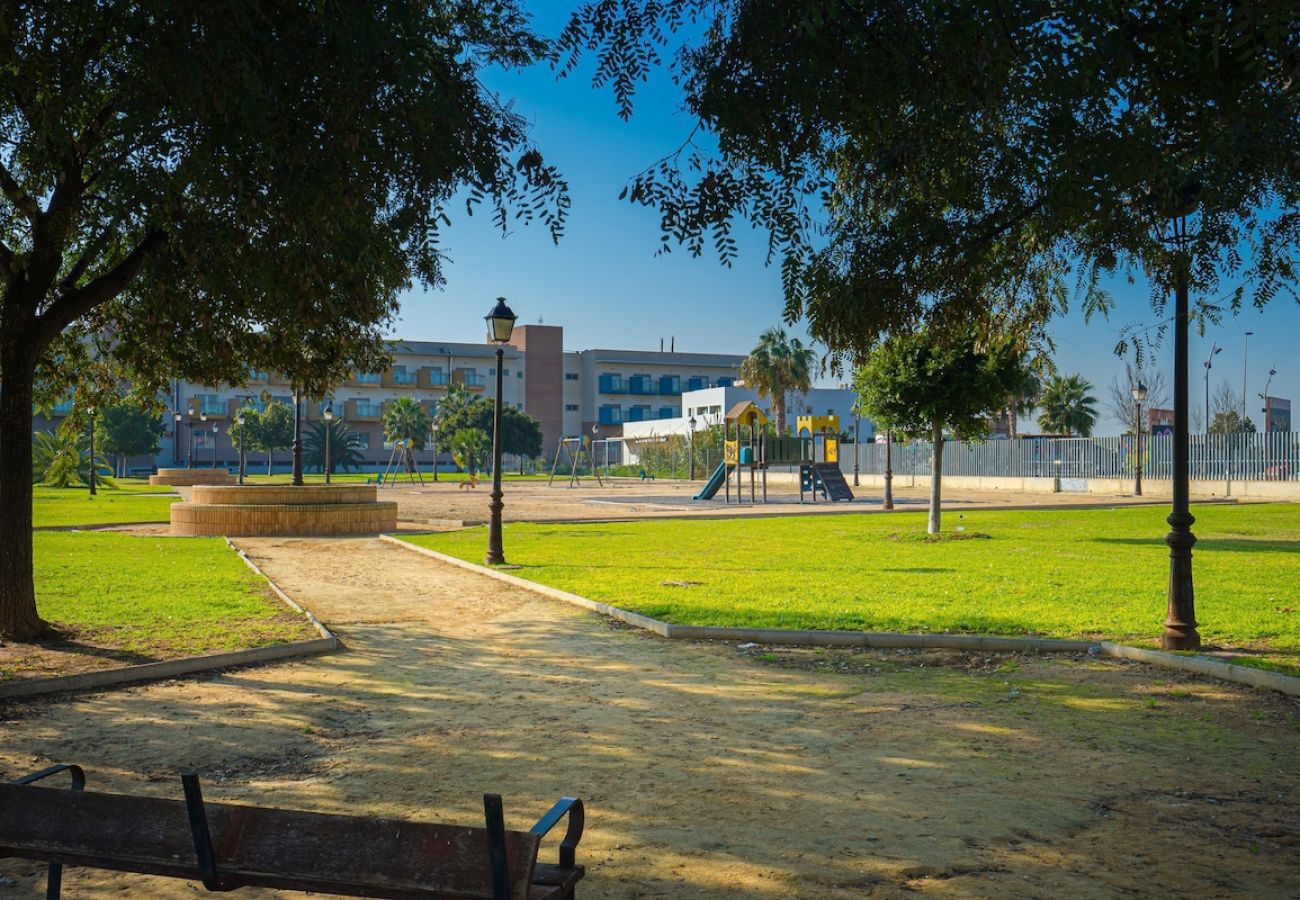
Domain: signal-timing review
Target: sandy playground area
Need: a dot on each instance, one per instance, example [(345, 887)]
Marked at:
[(709, 771)]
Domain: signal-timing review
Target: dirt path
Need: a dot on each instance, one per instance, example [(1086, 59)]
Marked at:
[(708, 772)]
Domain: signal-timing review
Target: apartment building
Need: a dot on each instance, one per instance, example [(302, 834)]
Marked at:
[(568, 392)]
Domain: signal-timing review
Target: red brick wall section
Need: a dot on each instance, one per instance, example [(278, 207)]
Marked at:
[(543, 346)]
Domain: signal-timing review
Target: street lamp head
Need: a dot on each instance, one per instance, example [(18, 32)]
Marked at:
[(215, 427), (692, 423), (1140, 392), (500, 322), (595, 429), (328, 413), (203, 416), (239, 419), (189, 411), (176, 417)]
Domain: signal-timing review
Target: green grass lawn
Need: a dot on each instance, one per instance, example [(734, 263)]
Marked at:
[(1099, 573), (139, 599), (74, 506)]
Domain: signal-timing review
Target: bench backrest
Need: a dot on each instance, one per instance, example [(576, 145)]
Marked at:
[(259, 846)]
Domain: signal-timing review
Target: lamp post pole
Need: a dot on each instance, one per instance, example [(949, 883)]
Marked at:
[(176, 438), (189, 422), (500, 321), (1180, 622), (328, 416), (239, 420), (889, 470), (691, 444), (1215, 349), (297, 438), (91, 410), (1139, 394), (216, 429), (433, 431), (1245, 358)]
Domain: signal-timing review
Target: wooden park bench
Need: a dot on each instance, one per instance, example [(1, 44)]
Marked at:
[(226, 846)]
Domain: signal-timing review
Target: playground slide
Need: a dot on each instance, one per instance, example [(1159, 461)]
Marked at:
[(715, 481)]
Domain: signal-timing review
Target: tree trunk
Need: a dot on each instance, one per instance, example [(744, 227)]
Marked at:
[(936, 478), (270, 463), (778, 411), (18, 618)]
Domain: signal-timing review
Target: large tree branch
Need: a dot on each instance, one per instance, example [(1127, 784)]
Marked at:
[(87, 257), (24, 201), (69, 307)]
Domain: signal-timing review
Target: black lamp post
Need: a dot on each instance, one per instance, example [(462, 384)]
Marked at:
[(189, 422), (1139, 395), (91, 410), (889, 470), (1264, 396), (239, 420), (297, 438), (328, 415), (433, 432), (691, 424), (216, 429), (1180, 621), (176, 438), (500, 323)]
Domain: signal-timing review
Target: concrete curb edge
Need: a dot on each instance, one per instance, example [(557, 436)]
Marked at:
[(1198, 665), (188, 665)]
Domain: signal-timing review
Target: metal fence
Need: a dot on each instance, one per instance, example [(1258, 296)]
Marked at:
[(1239, 457)]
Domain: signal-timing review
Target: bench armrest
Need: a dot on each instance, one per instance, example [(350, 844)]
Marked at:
[(78, 776), (572, 807)]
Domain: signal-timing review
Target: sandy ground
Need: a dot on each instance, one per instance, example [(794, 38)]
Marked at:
[(532, 501), (708, 771)]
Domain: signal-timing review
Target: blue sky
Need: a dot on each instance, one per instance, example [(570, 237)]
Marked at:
[(606, 286)]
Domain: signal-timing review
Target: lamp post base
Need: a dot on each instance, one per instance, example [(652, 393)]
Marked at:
[(1180, 622), (495, 554)]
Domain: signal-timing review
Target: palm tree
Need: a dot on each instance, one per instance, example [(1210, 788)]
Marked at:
[(345, 447), (406, 420), (1023, 400), (470, 447), (455, 400), (1068, 406), (61, 458), (776, 365)]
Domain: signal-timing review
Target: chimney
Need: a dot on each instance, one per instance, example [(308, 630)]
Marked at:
[(672, 345), (661, 345)]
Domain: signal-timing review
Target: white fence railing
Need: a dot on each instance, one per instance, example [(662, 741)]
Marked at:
[(1240, 457)]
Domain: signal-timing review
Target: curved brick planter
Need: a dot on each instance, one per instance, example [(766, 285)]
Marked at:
[(186, 477), (253, 511)]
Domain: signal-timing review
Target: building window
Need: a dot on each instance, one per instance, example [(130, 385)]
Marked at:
[(570, 407), (401, 376), (570, 376), (611, 415), (612, 383), (519, 374), (370, 378), (366, 407), (726, 382), (640, 384), (362, 440), (697, 383), (209, 404), (638, 414)]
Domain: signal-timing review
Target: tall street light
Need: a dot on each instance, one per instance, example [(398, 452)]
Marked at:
[(297, 438), (1180, 620), (1264, 396), (1245, 358), (500, 323), (328, 416), (176, 437), (91, 410), (889, 470), (216, 429), (239, 420), (1215, 350), (691, 443), (433, 432), (1139, 395), (857, 421)]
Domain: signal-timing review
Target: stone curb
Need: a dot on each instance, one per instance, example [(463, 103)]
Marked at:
[(1199, 665), (98, 526), (189, 665)]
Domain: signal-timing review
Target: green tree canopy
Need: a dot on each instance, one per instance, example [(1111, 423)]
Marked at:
[(1067, 406), (777, 364), (969, 156), (521, 434), (128, 429), (912, 383), (198, 188), (406, 420), (470, 448), (61, 458), (273, 430)]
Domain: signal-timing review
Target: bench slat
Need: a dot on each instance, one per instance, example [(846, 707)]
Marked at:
[(257, 846)]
